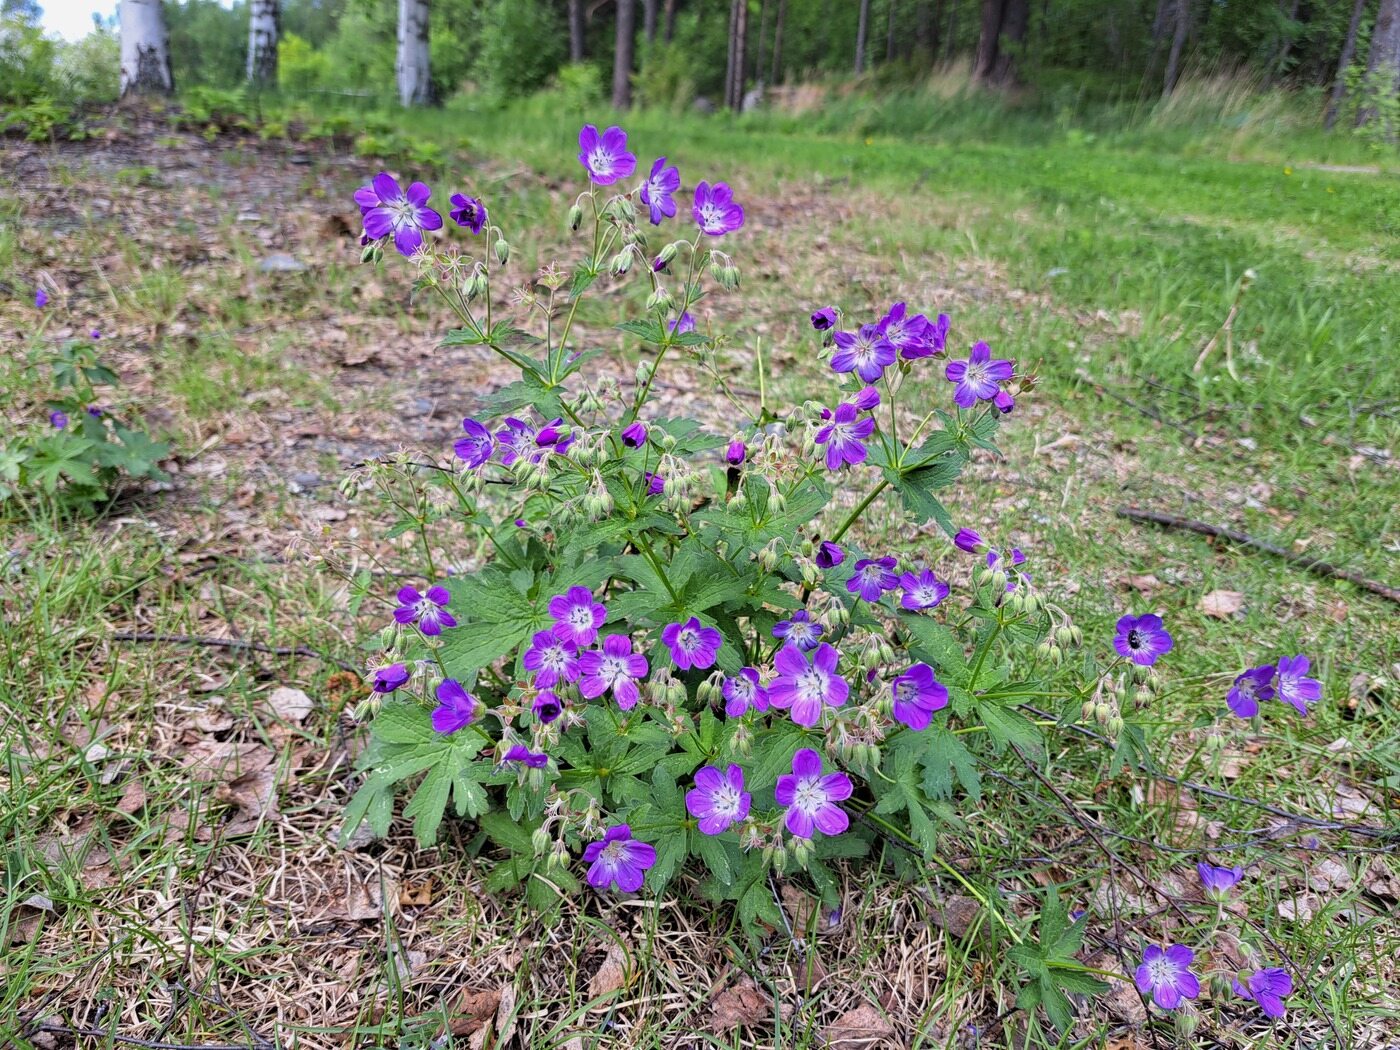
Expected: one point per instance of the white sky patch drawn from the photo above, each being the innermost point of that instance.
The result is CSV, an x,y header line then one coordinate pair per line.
x,y
72,19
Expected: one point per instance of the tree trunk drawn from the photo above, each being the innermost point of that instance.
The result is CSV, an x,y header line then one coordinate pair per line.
x,y
415,82
145,49
776,71
1285,45
264,24
649,20
575,30
1383,64
1339,86
1015,17
741,54
670,20
984,65
762,40
1183,24
862,28
622,54
729,57
889,33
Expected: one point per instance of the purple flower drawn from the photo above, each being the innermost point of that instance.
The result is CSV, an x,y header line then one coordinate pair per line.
x,y
656,484
867,353
515,441
95,334
619,859
467,212
923,591
1218,881
605,156
905,332
1268,988
811,798
389,210
94,411
829,555
577,616
1142,639
801,631
681,325
546,706
388,678
476,448
634,435
718,799
917,695
429,610
806,688
551,659
715,211
41,298
844,437
1166,975
968,540
691,644
824,319
1294,687
614,667
736,453
1250,687
743,692
1004,402
58,419
978,377
658,190
532,759
550,433
873,577
867,399
932,340
456,707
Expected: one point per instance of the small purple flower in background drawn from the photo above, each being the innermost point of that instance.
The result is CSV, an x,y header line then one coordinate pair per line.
x,y
1294,687
994,561
41,298
550,433
515,441
867,399
1218,881
736,453
1004,402
932,340
917,695
532,759
715,211
58,420
551,659
1268,988
923,591
802,631
547,706
807,688
867,353
1249,689
811,798
658,191
844,437
1166,975
824,319
744,692
467,212
1142,639
873,577
577,616
456,707
618,859
829,555
94,411
681,325
969,540
388,678
614,667
656,484
634,435
718,799
979,377
429,610
905,332
389,210
658,265
605,156
476,448
691,644
95,334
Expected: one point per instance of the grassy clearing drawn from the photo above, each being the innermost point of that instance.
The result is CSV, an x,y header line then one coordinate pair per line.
x,y
195,905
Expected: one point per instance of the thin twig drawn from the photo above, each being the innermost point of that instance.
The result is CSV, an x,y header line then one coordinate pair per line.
x,y
149,1044
1303,561
231,643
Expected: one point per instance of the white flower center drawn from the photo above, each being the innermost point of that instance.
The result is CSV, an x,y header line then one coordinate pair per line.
x,y
404,211
726,801
580,617
614,852
601,161
905,692
811,685
809,796
687,639
976,373
614,669
1162,971
710,215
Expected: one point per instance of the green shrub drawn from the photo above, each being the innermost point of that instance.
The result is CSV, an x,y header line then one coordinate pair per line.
x,y
300,67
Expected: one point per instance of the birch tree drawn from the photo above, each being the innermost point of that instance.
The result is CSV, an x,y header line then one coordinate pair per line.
x,y
145,49
415,83
264,25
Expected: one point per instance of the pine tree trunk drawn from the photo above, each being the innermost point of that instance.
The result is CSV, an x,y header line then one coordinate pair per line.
x,y
1382,65
145,49
730,74
575,30
414,74
670,20
777,69
622,54
1179,31
649,20
762,40
741,55
1015,18
862,29
984,65
264,24
1339,86
889,32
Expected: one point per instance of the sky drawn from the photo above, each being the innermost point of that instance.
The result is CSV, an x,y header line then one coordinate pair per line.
x,y
72,19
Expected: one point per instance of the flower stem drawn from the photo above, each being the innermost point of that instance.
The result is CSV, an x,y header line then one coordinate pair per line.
x,y
859,510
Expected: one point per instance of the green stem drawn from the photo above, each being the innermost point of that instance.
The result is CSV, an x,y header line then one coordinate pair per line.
x,y
859,510
656,567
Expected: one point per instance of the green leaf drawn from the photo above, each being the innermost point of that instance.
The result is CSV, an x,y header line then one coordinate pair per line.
x,y
945,757
649,330
507,833
403,722
1006,726
428,804
936,643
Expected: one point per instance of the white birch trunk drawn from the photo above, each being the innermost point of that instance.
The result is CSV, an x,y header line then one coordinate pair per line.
x,y
145,49
415,88
263,33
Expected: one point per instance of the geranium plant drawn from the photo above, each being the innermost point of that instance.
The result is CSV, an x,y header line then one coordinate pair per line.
x,y
659,648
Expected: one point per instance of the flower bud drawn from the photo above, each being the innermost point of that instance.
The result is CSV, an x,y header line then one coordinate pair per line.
x,y
668,252
1064,638
1086,710
839,614
1114,726
1141,673
621,262
1102,713
575,218
1142,698
780,857
984,577
1186,1020
998,581
1076,635
540,841
1042,651
659,299
559,855
625,210
502,251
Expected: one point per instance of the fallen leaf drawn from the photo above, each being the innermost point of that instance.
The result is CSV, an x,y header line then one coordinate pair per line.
x,y
210,760
957,915
133,797
612,975
473,1008
290,705
1297,909
255,795
1329,874
503,1025
800,907
862,1027
1222,604
1147,584
741,1004
418,895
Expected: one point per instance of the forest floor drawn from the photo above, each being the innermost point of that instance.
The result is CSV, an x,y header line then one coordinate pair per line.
x,y
171,808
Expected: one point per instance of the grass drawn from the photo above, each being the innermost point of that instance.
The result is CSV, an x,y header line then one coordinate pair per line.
x,y
1108,263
